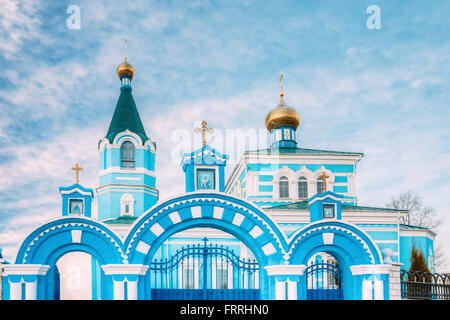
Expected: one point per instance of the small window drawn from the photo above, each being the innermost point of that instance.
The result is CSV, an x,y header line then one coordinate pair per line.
x,y
127,155
319,186
127,205
302,188
328,211
284,187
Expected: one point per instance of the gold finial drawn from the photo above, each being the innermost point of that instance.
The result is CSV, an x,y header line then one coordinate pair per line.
x,y
77,169
125,68
324,177
204,130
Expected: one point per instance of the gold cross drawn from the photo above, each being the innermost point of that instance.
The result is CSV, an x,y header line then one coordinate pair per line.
x,y
204,130
126,49
281,85
77,169
324,177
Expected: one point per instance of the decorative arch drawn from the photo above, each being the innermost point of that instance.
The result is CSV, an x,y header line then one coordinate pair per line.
x,y
304,172
217,210
52,240
344,240
292,181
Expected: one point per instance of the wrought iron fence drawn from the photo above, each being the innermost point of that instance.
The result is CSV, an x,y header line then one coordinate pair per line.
x,y
425,285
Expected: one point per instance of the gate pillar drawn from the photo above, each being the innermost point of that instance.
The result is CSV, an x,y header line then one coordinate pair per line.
x,y
284,281
371,281
125,281
24,281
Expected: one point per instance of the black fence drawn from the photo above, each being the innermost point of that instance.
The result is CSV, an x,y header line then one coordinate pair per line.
x,y
425,285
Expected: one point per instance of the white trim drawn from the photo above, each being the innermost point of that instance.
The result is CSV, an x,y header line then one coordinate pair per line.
x,y
140,170
285,270
130,269
84,193
362,269
25,269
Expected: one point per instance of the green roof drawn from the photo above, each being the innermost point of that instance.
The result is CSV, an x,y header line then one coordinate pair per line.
x,y
302,151
303,205
120,220
126,116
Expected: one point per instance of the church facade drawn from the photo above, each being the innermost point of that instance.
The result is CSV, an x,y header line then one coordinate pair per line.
x,y
286,225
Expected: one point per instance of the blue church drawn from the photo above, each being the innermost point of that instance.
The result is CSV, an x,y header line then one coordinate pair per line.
x,y
285,225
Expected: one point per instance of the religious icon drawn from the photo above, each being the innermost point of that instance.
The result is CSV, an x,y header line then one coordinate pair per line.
x,y
328,211
205,179
76,206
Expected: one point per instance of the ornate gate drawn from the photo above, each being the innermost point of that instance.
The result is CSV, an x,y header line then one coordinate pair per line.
x,y
204,271
324,281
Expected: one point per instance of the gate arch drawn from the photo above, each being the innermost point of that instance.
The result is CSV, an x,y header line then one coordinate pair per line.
x,y
348,244
216,210
55,238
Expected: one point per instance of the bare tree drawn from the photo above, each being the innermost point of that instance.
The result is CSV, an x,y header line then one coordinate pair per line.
x,y
422,216
418,214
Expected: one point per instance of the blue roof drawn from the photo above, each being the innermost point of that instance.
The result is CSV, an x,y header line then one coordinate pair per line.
x,y
75,186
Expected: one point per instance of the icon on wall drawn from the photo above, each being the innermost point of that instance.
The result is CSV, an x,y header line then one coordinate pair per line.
x,y
205,179
76,206
328,211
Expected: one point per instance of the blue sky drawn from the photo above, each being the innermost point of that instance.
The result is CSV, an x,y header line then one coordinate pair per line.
x,y
383,92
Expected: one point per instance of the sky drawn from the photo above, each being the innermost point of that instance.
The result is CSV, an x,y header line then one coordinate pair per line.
x,y
381,91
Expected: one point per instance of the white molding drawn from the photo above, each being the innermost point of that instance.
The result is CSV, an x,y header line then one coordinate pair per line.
x,y
126,269
362,269
25,269
84,193
285,270
144,171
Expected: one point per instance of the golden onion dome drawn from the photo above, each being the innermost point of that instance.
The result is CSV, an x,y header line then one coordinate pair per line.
x,y
125,69
282,115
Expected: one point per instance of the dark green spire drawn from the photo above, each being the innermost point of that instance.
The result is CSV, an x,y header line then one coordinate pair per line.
x,y
126,116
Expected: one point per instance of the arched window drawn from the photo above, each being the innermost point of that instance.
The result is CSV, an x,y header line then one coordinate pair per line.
x,y
284,187
127,155
319,185
127,205
302,188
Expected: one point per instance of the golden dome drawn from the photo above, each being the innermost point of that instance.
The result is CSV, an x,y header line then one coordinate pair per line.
x,y
282,116
125,69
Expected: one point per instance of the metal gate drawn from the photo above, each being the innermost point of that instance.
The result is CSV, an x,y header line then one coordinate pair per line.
x,y
324,281
204,271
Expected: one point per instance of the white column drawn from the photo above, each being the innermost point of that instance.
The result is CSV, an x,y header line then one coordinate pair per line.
x,y
290,271
378,289
31,290
24,270
132,290
15,290
119,293
367,289
370,285
125,269
280,290
292,290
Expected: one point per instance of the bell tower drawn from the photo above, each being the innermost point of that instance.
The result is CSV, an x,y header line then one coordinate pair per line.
x,y
127,159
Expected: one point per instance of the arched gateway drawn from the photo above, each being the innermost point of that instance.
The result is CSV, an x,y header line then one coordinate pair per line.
x,y
125,266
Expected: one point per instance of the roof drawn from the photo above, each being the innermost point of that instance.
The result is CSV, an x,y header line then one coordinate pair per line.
x,y
301,151
120,220
303,205
126,116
